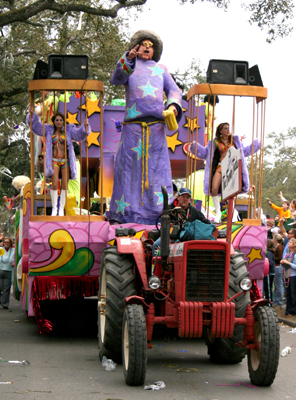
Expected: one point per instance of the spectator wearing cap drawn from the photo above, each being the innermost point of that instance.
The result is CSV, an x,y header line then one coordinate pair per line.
x,y
183,200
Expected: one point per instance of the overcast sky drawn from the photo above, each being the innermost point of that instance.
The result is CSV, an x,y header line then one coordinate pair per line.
x,y
203,32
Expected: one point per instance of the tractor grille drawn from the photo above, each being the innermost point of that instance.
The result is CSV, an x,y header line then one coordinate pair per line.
x,y
205,275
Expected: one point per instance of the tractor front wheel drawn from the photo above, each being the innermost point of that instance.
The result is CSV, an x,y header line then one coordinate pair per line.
x,y
117,282
263,363
134,345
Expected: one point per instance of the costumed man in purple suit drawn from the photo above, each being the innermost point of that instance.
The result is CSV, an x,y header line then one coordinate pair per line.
x,y
142,162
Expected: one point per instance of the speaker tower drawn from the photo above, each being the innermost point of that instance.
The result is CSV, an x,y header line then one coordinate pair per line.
x,y
228,72
67,67
41,70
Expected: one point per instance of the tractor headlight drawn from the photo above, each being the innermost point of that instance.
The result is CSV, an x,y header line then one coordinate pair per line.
x,y
154,282
245,284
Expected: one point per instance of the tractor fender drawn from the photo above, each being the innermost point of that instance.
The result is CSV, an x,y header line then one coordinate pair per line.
x,y
260,302
136,300
134,246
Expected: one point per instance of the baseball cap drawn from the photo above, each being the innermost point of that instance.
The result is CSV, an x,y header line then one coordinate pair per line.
x,y
184,191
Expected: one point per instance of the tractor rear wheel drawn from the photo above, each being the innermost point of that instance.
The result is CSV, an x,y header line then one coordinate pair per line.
x,y
134,345
116,284
263,363
224,350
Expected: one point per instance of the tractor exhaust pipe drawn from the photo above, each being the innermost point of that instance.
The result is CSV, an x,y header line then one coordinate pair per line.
x,y
165,229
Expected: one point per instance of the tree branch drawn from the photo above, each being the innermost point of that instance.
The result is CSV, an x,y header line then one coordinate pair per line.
x,y
21,53
7,94
33,9
13,144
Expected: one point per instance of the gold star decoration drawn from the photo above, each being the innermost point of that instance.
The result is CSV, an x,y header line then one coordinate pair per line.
x,y
255,254
93,138
173,141
72,118
92,107
192,123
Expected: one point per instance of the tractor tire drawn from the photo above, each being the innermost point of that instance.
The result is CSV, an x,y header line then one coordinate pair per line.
x,y
134,345
263,363
224,350
116,284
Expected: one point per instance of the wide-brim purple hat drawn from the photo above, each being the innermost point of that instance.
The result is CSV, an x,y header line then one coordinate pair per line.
x,y
141,35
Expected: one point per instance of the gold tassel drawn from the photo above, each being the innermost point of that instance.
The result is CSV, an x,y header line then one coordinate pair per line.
x,y
146,157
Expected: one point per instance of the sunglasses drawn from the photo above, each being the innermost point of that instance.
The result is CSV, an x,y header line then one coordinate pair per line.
x,y
147,43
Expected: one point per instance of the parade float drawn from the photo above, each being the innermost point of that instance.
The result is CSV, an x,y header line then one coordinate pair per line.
x,y
58,257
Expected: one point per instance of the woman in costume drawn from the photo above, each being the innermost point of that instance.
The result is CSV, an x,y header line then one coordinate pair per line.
x,y
55,152
6,265
142,162
222,142
289,264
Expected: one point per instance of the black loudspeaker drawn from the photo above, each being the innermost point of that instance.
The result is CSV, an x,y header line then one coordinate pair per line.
x,y
254,76
228,72
41,70
67,67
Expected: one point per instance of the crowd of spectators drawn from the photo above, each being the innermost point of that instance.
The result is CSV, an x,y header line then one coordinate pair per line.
x,y
280,284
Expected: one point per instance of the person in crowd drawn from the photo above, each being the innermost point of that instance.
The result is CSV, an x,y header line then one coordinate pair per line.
x,y
286,235
283,211
260,215
175,189
270,225
268,280
222,142
6,265
289,265
183,200
278,277
55,152
292,205
142,163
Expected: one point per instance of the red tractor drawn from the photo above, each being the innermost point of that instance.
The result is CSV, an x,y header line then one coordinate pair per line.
x,y
200,287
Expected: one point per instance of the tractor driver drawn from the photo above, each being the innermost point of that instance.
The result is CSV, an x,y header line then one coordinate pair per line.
x,y
183,200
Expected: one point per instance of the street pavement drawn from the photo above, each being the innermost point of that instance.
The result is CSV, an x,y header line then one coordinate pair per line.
x,y
64,365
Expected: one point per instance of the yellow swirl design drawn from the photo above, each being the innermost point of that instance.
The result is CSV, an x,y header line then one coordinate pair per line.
x,y
59,240
2,252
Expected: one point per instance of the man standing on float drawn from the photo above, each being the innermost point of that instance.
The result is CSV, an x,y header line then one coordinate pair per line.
x,y
142,162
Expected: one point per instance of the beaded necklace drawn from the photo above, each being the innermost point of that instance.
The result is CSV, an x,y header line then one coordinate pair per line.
x,y
6,261
289,257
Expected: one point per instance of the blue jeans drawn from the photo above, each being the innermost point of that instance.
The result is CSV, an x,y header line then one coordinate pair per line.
x,y
5,283
278,286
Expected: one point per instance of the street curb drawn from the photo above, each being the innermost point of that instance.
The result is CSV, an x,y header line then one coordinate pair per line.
x,y
287,322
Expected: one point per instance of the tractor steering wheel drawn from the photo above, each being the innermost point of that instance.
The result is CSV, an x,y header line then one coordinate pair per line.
x,y
177,210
